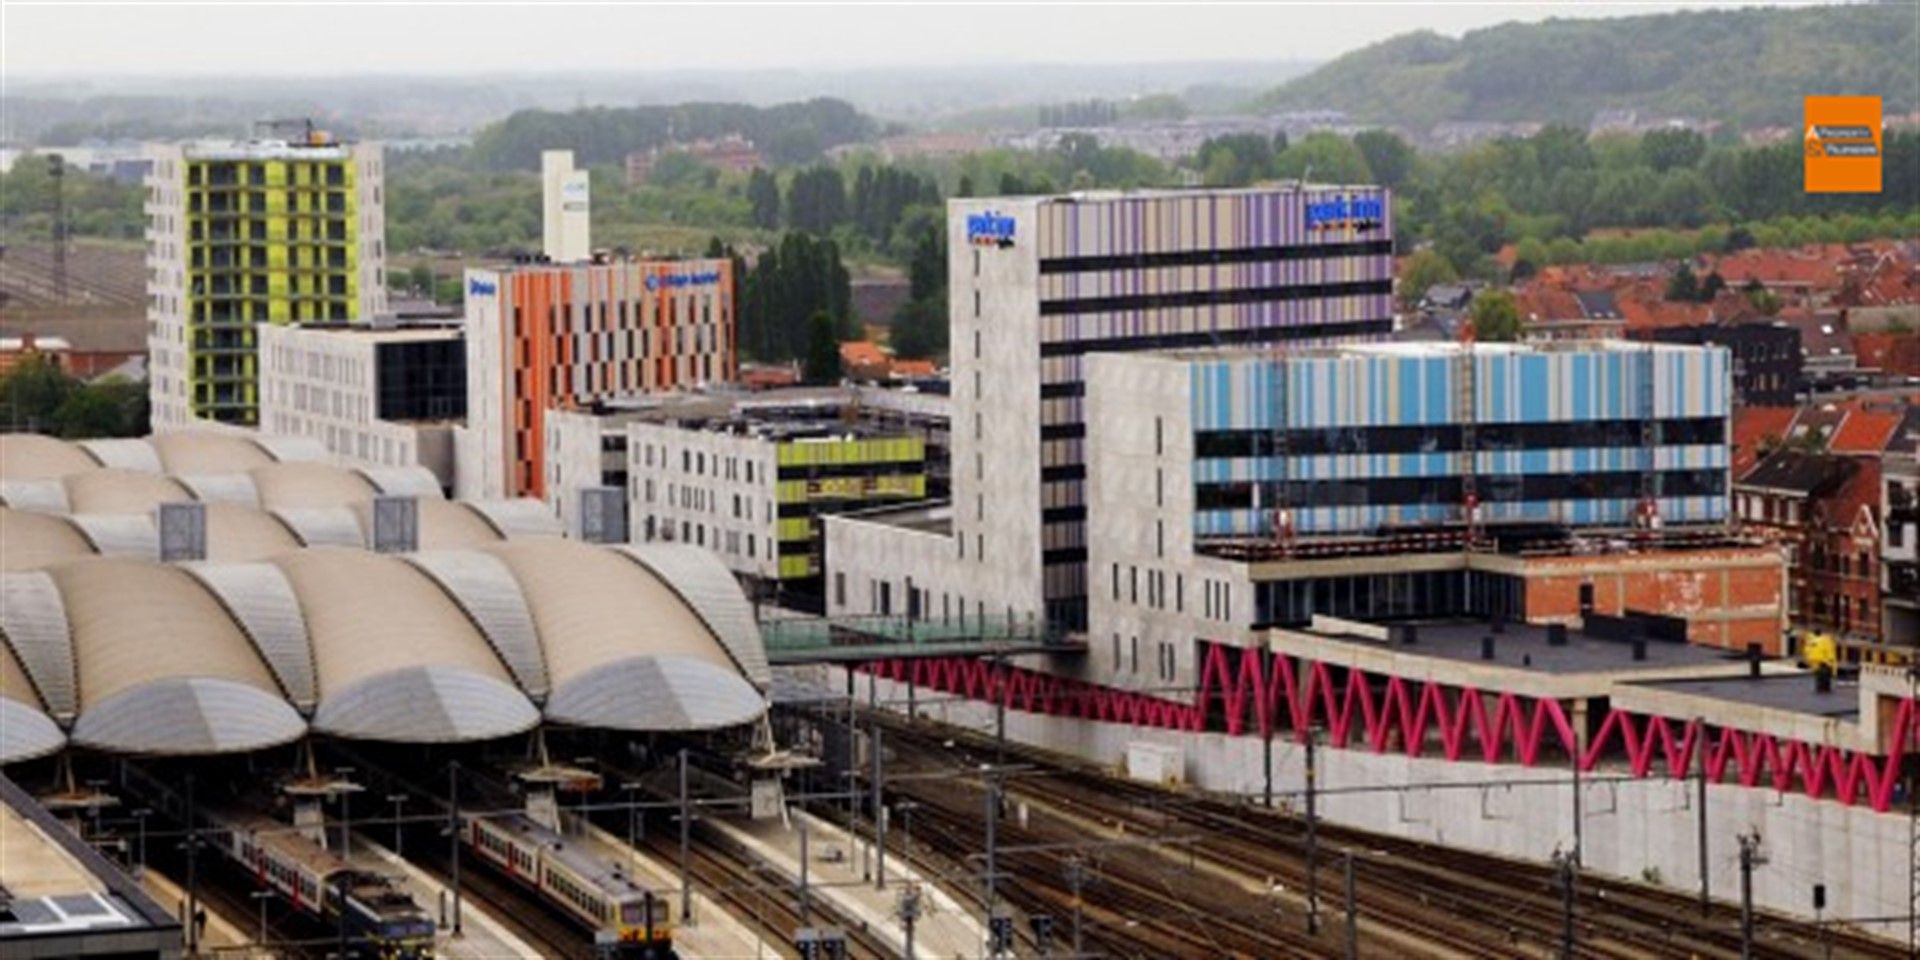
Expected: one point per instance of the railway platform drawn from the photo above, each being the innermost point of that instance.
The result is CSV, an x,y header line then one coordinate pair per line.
x,y
222,936
713,933
481,937
837,875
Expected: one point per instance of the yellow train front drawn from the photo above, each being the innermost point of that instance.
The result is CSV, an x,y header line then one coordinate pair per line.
x,y
629,922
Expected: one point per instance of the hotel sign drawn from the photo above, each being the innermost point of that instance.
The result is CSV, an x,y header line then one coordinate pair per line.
x,y
477,287
989,229
1350,212
705,278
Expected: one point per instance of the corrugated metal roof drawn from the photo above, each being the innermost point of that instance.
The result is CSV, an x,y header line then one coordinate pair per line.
x,y
518,518
426,704
119,534
41,496
33,621
323,526
26,733
121,491
124,454
205,451
188,716
221,488
29,541
706,584
30,456
489,595
404,482
262,602
657,693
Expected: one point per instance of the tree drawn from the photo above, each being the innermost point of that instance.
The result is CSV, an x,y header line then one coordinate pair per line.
x,y
1664,150
1495,316
1711,287
32,393
816,200
1324,158
114,407
1388,156
823,350
1423,271
1683,286
763,192
1234,160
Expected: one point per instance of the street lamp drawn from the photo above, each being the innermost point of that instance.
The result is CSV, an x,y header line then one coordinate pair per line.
x,y
396,799
261,897
141,816
628,787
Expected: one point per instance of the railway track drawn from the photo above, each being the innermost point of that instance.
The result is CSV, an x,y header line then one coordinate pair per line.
x,y
1413,898
756,895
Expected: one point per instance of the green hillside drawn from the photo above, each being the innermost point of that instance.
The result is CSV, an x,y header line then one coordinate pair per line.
x,y
1744,67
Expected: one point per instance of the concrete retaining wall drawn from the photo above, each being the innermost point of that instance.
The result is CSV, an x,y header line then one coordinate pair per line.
x,y
1636,829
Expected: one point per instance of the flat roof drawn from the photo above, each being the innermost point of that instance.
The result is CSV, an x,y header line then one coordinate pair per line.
x,y
264,150
63,899
1791,693
924,517
1524,646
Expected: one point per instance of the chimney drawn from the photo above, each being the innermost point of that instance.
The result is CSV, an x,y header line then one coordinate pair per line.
x,y
1753,660
396,524
1486,647
1823,679
1556,634
1639,648
183,531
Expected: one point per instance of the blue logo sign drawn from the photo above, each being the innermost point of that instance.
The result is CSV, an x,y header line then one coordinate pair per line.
x,y
705,278
989,229
477,287
1360,213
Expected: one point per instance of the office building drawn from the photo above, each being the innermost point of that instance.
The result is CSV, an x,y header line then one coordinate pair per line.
x,y
566,208
572,337
268,231
373,396
1038,283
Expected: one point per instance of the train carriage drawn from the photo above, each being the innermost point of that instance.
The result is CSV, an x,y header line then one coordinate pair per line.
x,y
629,921
384,920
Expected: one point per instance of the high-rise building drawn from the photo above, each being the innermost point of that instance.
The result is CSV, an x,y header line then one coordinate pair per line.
x,y
546,337
1038,283
565,207
268,231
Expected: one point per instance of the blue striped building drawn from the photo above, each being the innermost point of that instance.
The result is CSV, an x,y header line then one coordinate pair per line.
x,y
1377,438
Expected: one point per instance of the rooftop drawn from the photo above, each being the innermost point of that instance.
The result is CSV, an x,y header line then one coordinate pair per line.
x,y
58,897
1525,647
1792,693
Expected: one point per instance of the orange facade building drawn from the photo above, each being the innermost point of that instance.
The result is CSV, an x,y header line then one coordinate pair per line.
x,y
547,337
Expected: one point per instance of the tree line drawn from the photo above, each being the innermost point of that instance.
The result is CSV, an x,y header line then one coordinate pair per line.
x,y
37,396
787,133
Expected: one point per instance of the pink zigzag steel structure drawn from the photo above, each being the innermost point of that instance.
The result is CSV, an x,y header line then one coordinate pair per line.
x,y
1261,695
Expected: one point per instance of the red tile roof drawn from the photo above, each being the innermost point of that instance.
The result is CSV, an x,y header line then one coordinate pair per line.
x,y
1861,490
1893,352
862,353
1752,426
1864,432
913,368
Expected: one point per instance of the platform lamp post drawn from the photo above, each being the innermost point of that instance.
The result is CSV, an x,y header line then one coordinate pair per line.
x,y
397,799
261,897
140,846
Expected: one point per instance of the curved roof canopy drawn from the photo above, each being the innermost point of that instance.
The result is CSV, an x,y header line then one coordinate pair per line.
x,y
136,656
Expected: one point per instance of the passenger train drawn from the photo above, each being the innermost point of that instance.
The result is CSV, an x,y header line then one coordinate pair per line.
x,y
381,921
628,920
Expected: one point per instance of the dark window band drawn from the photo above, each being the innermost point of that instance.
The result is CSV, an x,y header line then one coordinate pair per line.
x,y
1213,297
1449,438
1064,514
1070,471
1054,558
1503,488
1062,431
1200,258
1214,338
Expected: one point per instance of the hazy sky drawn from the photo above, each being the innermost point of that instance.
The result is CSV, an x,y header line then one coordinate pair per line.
x,y
100,39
